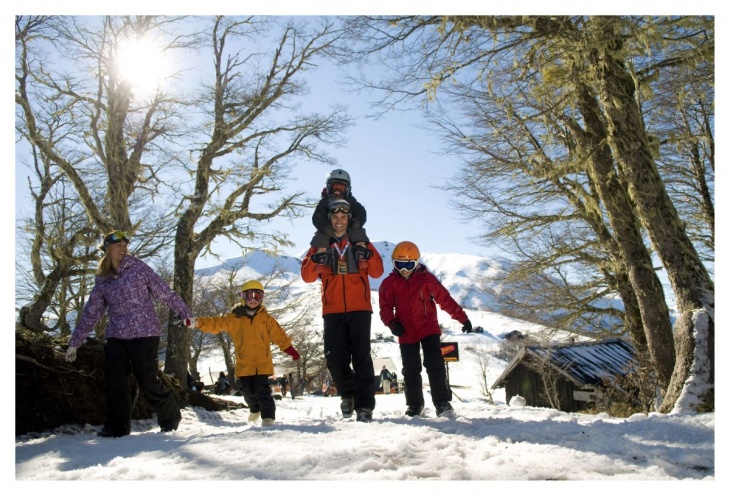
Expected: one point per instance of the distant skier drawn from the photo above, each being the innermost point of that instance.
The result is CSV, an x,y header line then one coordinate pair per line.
x,y
408,298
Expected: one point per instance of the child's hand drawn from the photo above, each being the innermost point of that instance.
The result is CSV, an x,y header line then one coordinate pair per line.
x,y
294,353
192,322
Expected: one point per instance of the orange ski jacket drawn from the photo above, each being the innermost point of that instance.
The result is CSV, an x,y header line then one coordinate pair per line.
x,y
345,283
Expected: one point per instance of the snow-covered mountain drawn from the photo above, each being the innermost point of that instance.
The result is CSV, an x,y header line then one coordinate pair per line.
x,y
459,274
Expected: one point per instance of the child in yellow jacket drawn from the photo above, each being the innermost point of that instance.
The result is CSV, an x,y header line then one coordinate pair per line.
x,y
253,330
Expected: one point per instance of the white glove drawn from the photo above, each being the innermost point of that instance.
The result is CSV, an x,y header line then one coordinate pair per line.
x,y
71,354
192,322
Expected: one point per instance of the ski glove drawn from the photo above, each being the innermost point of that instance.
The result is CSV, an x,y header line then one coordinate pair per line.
x,y
192,322
467,326
294,353
362,253
321,258
71,354
397,328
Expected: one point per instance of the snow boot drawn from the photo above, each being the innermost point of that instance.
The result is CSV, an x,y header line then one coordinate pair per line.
x,y
267,422
347,405
365,415
170,425
107,432
444,409
414,411
254,417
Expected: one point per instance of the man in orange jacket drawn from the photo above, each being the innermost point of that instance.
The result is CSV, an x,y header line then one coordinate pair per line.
x,y
347,312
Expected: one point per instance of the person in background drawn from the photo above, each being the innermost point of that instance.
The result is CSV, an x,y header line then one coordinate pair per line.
x,y
283,382
253,330
408,299
125,288
292,385
338,187
385,378
221,385
346,311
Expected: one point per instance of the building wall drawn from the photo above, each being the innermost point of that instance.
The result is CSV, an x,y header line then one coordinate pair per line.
x,y
527,383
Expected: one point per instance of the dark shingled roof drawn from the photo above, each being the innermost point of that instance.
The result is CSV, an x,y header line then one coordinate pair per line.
x,y
583,363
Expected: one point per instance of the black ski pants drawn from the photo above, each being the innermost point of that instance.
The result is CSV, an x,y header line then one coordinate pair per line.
x,y
257,393
347,351
140,355
435,369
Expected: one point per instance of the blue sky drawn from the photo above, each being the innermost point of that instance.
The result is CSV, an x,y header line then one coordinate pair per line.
x,y
393,165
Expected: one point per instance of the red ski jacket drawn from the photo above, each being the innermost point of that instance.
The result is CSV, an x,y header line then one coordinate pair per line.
x,y
412,302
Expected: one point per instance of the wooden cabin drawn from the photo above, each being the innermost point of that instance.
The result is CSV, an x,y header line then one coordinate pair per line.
x,y
573,373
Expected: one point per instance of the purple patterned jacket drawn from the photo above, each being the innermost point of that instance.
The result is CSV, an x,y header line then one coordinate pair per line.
x,y
128,298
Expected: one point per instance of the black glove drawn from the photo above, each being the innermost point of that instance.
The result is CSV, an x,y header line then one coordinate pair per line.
x,y
467,326
321,258
362,253
397,328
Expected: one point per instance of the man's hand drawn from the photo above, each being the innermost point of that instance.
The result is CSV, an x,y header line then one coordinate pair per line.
x,y
71,354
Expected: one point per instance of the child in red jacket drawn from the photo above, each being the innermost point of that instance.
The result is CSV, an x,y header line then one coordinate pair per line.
x,y
408,298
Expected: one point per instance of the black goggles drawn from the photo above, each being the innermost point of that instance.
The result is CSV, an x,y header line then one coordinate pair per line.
x,y
404,264
340,209
252,294
115,237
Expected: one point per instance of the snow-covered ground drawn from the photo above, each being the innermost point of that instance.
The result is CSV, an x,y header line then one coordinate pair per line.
x,y
311,441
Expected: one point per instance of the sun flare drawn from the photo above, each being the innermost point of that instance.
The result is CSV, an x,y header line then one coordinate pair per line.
x,y
142,64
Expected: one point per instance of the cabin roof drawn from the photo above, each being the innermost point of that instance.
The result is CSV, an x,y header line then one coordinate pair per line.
x,y
582,363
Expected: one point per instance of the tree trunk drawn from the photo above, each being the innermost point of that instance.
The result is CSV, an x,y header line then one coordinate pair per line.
x,y
646,286
31,315
693,287
179,337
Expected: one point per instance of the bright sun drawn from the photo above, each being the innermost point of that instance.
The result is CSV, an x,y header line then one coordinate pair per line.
x,y
142,64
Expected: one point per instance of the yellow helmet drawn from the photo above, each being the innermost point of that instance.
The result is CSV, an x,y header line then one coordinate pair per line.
x,y
405,250
251,285
252,290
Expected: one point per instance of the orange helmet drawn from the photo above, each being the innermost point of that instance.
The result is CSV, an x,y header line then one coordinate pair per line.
x,y
405,250
405,257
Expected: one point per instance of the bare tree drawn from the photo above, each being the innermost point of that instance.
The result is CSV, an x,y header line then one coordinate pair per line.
x,y
244,161
483,360
81,119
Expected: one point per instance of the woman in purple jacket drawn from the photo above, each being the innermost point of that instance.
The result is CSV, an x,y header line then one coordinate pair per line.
x,y
125,287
